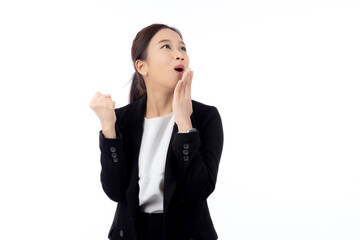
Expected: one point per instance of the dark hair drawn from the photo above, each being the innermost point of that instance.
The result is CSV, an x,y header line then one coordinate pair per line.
x,y
138,51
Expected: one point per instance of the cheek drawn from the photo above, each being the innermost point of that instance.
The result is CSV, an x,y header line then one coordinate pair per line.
x,y
159,61
186,58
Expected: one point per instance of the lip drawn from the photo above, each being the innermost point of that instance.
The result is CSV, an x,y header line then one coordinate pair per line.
x,y
180,66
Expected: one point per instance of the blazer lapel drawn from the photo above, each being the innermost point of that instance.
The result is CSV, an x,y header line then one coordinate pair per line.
x,y
134,121
170,182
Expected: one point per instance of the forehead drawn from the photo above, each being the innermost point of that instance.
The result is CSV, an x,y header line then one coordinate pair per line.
x,y
165,33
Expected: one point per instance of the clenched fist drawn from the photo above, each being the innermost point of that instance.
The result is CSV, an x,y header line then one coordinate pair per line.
x,y
104,107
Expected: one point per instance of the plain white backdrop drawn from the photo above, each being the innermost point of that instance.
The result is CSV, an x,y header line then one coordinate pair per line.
x,y
284,76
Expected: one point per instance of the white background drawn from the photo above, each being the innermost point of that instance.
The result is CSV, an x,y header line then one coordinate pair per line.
x,y
284,76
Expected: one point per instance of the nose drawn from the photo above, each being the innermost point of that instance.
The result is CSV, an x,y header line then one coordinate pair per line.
x,y
179,54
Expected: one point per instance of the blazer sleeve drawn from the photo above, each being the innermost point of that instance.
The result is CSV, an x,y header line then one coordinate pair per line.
x,y
113,166
198,157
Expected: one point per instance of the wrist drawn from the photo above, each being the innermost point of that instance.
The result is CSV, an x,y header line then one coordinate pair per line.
x,y
184,128
107,125
109,131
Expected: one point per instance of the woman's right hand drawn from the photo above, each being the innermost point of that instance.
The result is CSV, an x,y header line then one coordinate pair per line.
x,y
104,107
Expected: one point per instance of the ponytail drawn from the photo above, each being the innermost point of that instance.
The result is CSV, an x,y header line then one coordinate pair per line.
x,y
138,87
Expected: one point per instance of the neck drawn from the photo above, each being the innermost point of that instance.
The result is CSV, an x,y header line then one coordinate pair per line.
x,y
158,104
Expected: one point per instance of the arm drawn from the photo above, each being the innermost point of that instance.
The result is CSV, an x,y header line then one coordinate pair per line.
x,y
198,158
113,167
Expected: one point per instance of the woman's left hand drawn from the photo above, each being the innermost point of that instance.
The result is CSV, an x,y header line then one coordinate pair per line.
x,y
182,105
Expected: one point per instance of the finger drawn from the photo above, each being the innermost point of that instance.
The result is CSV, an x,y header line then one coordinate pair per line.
x,y
107,95
185,81
184,74
177,90
93,99
188,78
182,91
188,86
187,89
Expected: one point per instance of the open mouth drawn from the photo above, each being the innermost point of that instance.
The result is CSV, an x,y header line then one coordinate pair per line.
x,y
179,68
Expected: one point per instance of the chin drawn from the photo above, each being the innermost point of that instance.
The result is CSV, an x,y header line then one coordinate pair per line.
x,y
173,85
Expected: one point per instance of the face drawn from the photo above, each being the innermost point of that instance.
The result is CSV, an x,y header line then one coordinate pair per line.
x,y
165,52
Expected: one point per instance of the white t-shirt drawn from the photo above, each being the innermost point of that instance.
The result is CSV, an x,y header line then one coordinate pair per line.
x,y
152,157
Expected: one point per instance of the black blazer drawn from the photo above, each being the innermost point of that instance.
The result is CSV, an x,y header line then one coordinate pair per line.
x,y
191,169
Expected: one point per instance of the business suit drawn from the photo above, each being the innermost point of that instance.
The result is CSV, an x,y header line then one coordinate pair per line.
x,y
191,169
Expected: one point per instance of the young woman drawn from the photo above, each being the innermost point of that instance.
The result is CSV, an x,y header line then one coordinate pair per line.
x,y
160,153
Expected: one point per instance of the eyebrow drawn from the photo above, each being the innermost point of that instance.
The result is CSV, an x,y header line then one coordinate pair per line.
x,y
167,40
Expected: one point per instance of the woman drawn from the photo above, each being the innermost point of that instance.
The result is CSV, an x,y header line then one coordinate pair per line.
x,y
160,153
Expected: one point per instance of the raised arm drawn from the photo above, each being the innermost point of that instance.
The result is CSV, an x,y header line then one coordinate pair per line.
x,y
198,156
113,164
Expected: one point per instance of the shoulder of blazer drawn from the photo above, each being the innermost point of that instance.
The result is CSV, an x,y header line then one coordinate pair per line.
x,y
200,110
129,116
203,114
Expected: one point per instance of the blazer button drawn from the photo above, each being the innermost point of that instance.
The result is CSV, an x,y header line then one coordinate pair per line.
x,y
186,152
186,158
186,146
121,233
115,159
114,155
112,149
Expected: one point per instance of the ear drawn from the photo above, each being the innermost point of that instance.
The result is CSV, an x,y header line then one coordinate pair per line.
x,y
141,67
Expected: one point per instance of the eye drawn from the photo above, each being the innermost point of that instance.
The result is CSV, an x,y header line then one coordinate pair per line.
x,y
184,48
167,45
